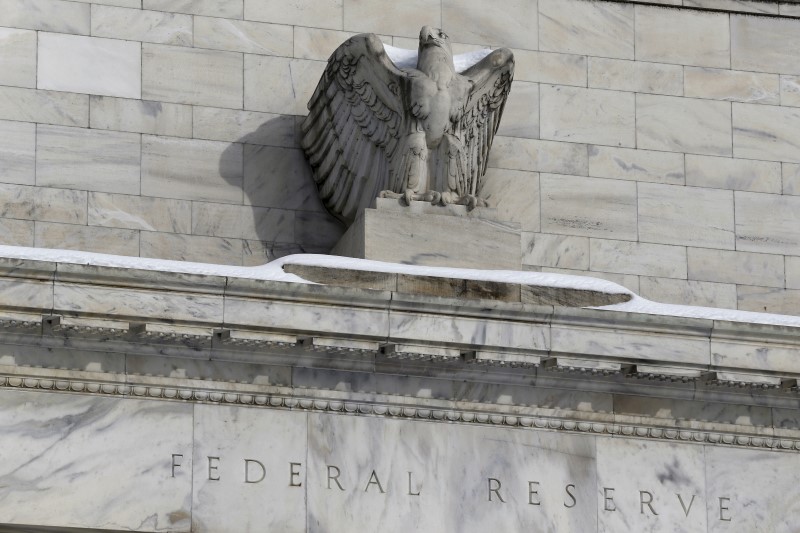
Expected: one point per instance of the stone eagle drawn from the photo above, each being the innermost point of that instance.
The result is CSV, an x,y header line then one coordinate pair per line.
x,y
377,128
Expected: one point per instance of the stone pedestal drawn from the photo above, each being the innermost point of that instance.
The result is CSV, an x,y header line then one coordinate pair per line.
x,y
424,234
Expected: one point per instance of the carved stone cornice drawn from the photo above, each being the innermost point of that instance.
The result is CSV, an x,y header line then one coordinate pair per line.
x,y
573,323
227,329
436,411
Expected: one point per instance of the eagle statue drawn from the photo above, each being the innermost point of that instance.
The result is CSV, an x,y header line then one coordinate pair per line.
x,y
416,128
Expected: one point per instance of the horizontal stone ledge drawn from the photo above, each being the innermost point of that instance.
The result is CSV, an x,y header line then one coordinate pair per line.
x,y
766,8
395,407
600,358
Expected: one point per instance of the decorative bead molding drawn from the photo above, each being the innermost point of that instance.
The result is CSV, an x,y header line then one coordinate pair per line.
x,y
344,407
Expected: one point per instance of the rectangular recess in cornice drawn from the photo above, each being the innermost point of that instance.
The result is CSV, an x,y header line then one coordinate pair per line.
x,y
581,366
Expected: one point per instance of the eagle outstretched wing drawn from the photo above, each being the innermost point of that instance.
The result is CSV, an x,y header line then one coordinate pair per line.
x,y
355,123
490,81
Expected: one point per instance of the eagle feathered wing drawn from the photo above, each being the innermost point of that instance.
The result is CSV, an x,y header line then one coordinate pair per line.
x,y
490,81
354,126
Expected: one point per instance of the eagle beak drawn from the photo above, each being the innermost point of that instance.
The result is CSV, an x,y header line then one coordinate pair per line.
x,y
427,35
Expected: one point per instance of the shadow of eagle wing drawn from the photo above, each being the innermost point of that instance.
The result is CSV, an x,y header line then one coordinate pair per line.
x,y
355,122
490,81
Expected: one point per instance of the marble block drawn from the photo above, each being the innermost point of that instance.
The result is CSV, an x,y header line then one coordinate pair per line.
x,y
17,152
533,155
18,57
244,464
572,205
211,8
601,29
423,234
88,159
727,266
89,65
669,123
141,25
669,214
766,132
732,85
48,107
635,76
549,67
595,116
668,495
683,37
391,18
767,503
192,75
753,39
46,15
469,21
89,462
636,165
394,476
242,36
191,169
311,13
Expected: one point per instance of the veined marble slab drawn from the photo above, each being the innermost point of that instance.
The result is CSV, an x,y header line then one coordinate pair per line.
x,y
251,479
371,475
81,461
144,465
89,65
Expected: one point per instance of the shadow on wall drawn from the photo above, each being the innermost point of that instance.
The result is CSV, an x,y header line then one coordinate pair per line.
x,y
282,213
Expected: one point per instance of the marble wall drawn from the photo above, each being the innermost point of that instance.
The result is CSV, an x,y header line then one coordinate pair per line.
x,y
149,465
656,146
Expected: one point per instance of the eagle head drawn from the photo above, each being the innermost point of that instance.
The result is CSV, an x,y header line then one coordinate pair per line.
x,y
429,36
434,42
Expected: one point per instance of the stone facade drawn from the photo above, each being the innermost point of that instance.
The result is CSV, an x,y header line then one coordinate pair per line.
x,y
654,146
175,401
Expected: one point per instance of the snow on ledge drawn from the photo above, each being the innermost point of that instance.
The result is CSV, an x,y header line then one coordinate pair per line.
x,y
273,271
405,58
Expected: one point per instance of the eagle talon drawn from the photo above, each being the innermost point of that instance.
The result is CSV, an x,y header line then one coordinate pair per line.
x,y
389,194
449,198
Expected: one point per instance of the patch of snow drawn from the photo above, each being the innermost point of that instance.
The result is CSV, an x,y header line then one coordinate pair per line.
x,y
647,307
464,61
503,276
401,57
405,58
274,271
270,271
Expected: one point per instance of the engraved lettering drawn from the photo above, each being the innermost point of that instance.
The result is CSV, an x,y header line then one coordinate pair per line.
x,y
410,492
212,467
294,475
373,480
533,490
686,510
494,486
648,502
174,464
608,496
247,464
723,501
334,478
571,496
